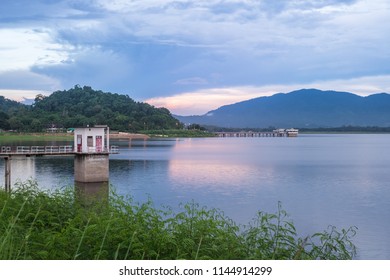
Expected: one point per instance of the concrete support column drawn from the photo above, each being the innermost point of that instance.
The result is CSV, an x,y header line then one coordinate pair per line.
x,y
108,139
91,175
91,168
7,174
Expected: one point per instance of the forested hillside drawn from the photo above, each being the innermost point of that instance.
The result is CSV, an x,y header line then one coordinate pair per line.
x,y
81,106
8,107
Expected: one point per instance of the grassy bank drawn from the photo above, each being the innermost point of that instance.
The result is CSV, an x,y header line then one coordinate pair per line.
x,y
21,137
40,225
170,133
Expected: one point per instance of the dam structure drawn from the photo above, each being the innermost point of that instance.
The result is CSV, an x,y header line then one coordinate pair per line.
x,y
91,152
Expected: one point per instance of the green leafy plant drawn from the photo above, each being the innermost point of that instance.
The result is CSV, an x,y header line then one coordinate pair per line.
x,y
41,225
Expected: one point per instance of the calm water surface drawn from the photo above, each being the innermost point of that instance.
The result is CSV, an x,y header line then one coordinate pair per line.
x,y
321,180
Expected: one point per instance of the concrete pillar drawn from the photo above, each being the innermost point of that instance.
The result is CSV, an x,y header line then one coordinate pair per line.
x,y
108,139
91,168
7,174
91,175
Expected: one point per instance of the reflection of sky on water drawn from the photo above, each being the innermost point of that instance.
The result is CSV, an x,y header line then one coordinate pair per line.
x,y
22,169
217,176
49,172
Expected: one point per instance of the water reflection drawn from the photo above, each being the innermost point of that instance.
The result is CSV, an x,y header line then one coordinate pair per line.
x,y
218,176
22,169
49,172
89,194
55,172
134,178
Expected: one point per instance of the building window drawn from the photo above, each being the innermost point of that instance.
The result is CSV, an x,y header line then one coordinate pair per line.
x,y
90,141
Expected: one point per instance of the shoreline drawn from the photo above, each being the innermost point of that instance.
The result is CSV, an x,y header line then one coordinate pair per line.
x,y
25,136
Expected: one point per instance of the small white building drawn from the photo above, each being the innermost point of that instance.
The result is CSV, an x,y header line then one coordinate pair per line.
x,y
91,139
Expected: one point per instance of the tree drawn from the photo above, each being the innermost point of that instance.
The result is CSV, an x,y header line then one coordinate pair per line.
x,y
15,123
195,126
39,97
4,124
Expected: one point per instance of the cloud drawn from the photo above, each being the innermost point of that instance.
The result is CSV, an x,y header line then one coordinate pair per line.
x,y
223,24
160,48
192,81
27,80
305,40
22,48
201,101
27,10
94,66
21,85
21,95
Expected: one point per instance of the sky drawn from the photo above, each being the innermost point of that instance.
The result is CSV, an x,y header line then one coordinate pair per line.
x,y
194,56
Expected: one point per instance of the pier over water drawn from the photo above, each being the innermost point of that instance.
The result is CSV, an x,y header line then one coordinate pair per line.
x,y
50,150
90,151
275,133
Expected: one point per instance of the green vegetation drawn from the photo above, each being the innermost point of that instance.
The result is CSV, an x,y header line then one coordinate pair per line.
x,y
13,138
36,224
173,133
81,106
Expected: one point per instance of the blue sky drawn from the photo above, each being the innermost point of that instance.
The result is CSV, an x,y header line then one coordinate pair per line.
x,y
194,56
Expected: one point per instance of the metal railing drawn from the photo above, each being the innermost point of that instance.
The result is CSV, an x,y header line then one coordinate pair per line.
x,y
5,149
42,150
37,150
114,149
23,150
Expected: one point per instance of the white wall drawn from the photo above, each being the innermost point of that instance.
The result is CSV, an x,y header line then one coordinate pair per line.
x,y
85,132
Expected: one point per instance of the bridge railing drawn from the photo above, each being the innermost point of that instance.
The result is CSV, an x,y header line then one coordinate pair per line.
x,y
66,149
111,150
47,150
5,149
37,149
58,149
22,149
114,149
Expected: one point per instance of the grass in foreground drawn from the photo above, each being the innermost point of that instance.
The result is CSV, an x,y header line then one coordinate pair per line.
x,y
40,225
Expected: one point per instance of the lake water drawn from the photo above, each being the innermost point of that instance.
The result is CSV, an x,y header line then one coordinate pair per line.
x,y
341,180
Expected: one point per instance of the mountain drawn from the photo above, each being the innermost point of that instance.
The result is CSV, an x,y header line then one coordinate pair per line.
x,y
6,105
80,106
305,108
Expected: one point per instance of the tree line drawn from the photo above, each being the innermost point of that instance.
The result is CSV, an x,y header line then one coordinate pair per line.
x,y
81,106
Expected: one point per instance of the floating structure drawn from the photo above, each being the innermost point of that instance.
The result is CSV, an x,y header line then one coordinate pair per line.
x,y
292,132
91,152
281,132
